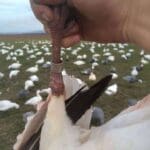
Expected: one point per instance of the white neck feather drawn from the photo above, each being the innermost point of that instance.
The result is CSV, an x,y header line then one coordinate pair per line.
x,y
55,124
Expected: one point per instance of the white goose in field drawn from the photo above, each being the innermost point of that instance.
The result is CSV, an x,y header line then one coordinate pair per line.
x,y
7,104
34,100
40,61
33,69
1,75
16,65
112,89
28,84
34,78
134,72
13,73
92,76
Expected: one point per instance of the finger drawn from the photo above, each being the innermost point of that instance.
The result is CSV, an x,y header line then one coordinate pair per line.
x,y
71,40
42,12
49,2
70,30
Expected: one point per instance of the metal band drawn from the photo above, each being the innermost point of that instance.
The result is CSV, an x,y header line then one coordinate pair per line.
x,y
56,68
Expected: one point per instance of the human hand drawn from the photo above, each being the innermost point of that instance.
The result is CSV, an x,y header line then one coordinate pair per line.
x,y
101,20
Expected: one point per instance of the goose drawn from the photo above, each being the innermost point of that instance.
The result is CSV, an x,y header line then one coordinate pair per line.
x,y
7,104
40,61
79,62
28,84
92,76
144,61
34,100
33,69
1,75
112,89
147,57
134,72
13,73
80,100
114,75
111,58
118,133
34,78
46,91
16,65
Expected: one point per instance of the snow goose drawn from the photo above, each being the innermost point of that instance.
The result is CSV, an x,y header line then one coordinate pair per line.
x,y
1,75
28,84
34,78
112,89
40,61
92,76
7,104
33,69
34,100
13,73
16,65
134,72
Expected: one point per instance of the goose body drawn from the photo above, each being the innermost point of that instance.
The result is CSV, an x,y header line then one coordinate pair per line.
x,y
112,89
92,76
40,61
7,104
120,133
34,100
28,84
33,69
13,73
1,75
34,78
134,72
16,65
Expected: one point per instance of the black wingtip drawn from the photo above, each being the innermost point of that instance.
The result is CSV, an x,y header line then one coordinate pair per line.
x,y
82,101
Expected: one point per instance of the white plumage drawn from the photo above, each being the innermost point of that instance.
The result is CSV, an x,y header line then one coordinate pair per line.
x,y
7,104
13,73
47,91
1,75
34,78
134,72
34,100
92,76
28,84
120,133
16,65
33,69
79,62
114,75
111,90
40,61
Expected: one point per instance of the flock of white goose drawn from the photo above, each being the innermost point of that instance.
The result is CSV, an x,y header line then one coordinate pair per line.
x,y
32,52
63,133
